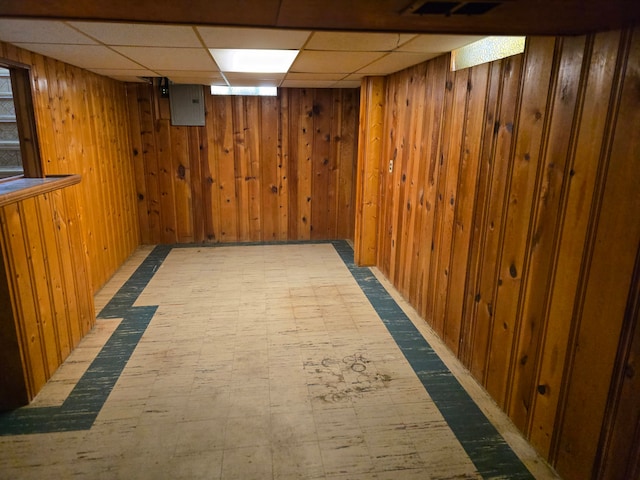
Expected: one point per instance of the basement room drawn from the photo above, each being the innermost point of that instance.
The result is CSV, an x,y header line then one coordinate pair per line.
x,y
286,239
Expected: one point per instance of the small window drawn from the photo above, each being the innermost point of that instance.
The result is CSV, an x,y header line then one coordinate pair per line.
x,y
486,50
19,150
10,158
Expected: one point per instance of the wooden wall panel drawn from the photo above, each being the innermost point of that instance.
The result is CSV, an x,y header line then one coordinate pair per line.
x,y
47,300
619,449
82,121
261,169
608,272
513,228
368,172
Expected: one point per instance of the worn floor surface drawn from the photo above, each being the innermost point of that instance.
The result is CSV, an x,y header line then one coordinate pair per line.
x,y
259,362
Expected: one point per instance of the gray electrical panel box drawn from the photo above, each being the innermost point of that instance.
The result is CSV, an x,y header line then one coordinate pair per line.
x,y
187,105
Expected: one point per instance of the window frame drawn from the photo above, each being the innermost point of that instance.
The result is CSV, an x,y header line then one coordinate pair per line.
x,y
25,119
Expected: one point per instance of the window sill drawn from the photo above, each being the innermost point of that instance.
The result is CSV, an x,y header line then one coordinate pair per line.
x,y
17,189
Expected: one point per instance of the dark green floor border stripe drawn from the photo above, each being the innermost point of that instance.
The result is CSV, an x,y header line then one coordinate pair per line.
x,y
486,448
126,296
491,455
82,406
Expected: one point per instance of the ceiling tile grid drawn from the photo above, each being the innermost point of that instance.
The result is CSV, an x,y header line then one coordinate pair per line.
x,y
133,52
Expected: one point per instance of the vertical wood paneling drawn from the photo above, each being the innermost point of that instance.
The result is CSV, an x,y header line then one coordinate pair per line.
x,y
619,449
46,294
545,217
408,208
225,155
368,171
539,62
211,207
608,282
199,169
269,166
251,111
178,151
464,199
388,167
304,162
261,169
446,200
24,299
489,233
166,183
147,166
82,124
526,233
284,124
347,150
15,387
491,119
438,88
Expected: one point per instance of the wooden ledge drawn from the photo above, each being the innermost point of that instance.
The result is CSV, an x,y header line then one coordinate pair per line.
x,y
17,189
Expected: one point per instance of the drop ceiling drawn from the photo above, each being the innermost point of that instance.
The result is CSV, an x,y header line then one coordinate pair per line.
x,y
132,51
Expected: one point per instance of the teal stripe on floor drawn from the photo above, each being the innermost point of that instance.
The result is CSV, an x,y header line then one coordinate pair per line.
x,y
486,448
82,406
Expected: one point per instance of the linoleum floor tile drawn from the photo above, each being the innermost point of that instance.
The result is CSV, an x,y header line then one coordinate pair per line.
x,y
263,361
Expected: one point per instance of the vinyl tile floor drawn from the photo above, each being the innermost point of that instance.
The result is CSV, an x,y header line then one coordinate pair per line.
x,y
258,362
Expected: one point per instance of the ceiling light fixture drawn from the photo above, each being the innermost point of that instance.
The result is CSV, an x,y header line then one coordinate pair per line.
x,y
248,91
253,61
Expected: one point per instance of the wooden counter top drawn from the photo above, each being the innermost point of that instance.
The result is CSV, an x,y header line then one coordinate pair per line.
x,y
14,190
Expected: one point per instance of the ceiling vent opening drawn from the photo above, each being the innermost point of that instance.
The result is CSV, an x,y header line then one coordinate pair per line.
x,y
475,8
434,7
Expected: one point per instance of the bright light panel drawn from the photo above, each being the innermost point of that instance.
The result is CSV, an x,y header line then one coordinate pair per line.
x,y
486,50
254,61
259,91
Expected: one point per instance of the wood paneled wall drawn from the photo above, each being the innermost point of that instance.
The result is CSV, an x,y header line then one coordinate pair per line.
x,y
83,128
261,169
510,220
47,303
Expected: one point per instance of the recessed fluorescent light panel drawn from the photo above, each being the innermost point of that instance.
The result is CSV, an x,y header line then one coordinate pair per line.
x,y
249,91
254,61
486,50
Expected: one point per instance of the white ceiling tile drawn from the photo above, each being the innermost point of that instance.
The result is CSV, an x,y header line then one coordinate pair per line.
x,y
229,37
315,76
85,56
437,43
198,80
396,61
111,72
258,79
140,34
158,58
308,83
192,73
332,62
40,31
356,41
